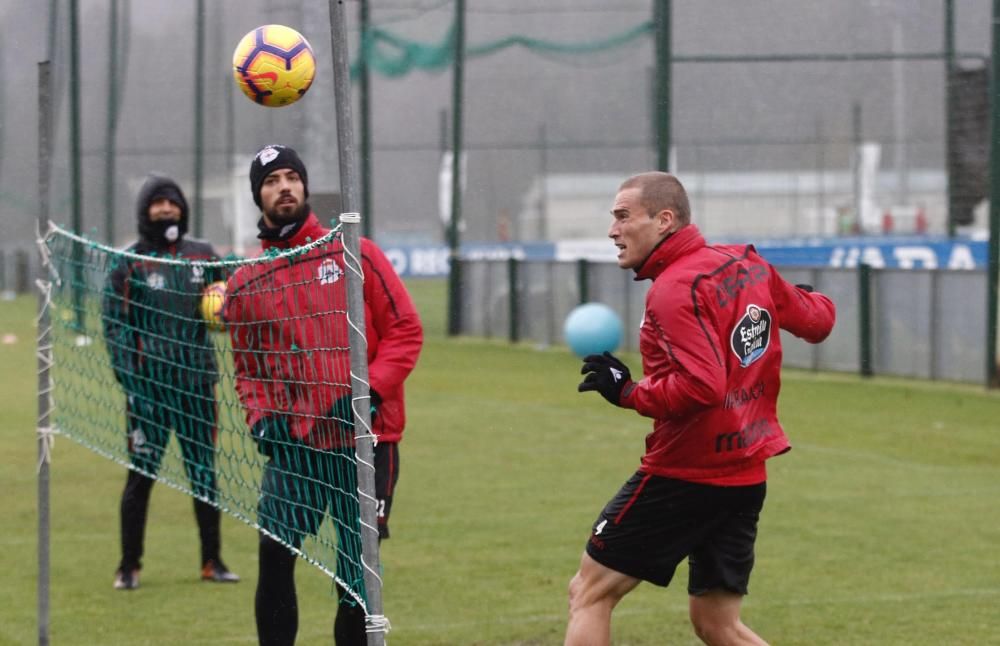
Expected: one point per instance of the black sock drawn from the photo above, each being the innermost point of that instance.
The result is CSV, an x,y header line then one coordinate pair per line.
x,y
134,506
276,605
349,626
208,530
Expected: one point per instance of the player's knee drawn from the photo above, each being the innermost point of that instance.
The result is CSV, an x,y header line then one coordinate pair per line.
x,y
714,630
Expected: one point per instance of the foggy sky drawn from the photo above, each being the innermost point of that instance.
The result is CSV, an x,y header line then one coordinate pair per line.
x,y
595,110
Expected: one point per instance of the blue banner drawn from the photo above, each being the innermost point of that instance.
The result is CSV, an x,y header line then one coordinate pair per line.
x,y
893,253
924,252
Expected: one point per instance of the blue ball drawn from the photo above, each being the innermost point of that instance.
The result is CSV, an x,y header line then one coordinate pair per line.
x,y
592,328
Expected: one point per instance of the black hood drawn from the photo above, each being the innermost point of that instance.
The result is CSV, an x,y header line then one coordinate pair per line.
x,y
155,187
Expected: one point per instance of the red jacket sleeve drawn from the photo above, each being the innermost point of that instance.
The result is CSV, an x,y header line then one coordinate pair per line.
x,y
696,379
394,320
808,315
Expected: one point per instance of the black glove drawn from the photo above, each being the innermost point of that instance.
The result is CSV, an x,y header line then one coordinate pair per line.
x,y
269,433
344,414
805,287
605,374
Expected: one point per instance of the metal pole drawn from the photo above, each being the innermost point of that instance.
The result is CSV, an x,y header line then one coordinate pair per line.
x,y
457,92
865,319
364,105
899,119
662,17
199,113
74,115
514,331
44,354
856,130
992,299
365,447
583,279
109,145
949,108
75,161
821,177
543,174
443,146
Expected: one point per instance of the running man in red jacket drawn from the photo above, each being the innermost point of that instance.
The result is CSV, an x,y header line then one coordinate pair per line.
x,y
711,356
287,320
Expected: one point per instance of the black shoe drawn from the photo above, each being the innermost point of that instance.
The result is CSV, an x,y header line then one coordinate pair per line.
x,y
126,579
215,570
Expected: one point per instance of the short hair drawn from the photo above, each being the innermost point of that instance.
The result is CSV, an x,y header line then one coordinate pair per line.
x,y
659,191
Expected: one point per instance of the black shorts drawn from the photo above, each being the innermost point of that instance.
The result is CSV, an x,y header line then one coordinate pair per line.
x,y
654,523
386,476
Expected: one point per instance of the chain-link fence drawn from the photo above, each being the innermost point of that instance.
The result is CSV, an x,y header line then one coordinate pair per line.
x,y
928,324
785,118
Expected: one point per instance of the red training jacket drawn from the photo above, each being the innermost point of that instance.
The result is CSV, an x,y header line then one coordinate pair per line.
x,y
711,356
288,323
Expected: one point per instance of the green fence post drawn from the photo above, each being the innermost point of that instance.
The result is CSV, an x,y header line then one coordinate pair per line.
x,y
515,329
993,265
583,279
865,319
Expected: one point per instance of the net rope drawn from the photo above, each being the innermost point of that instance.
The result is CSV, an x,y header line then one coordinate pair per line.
x,y
253,414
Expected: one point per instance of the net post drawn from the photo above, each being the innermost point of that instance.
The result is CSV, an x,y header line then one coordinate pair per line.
x,y
376,626
43,351
364,438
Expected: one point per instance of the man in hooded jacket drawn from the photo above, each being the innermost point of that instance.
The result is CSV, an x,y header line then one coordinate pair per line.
x,y
164,359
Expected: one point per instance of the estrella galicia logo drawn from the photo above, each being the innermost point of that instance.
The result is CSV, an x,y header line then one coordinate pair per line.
x,y
752,335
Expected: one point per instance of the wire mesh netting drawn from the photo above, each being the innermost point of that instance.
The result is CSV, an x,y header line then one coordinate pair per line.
x,y
218,378
771,104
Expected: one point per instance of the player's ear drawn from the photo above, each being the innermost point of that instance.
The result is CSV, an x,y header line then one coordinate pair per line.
x,y
666,221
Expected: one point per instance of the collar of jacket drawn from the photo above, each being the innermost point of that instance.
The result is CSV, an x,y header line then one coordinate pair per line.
x,y
675,246
310,231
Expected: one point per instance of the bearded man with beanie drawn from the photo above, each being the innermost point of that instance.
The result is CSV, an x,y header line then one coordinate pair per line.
x,y
163,358
289,334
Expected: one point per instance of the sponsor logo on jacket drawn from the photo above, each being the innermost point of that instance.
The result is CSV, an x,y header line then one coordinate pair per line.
x,y
752,335
329,272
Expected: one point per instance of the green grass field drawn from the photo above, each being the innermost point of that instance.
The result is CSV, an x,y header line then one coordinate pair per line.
x,y
880,527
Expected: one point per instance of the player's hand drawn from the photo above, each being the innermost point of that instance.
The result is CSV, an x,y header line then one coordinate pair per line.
x,y
343,412
607,375
269,433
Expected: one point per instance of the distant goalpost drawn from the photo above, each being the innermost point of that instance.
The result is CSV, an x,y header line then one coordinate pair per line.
x,y
86,389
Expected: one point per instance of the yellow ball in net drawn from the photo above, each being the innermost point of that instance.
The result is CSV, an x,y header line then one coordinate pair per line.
x,y
213,298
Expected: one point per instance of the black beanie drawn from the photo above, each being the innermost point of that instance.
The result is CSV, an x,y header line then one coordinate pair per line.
x,y
271,158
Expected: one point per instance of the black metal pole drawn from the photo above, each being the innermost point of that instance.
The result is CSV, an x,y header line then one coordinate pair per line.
x,y
364,105
109,145
513,301
993,300
949,110
663,13
454,272
75,161
199,114
583,279
865,319
74,116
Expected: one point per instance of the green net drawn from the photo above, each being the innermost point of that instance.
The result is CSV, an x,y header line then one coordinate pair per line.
x,y
242,362
393,55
